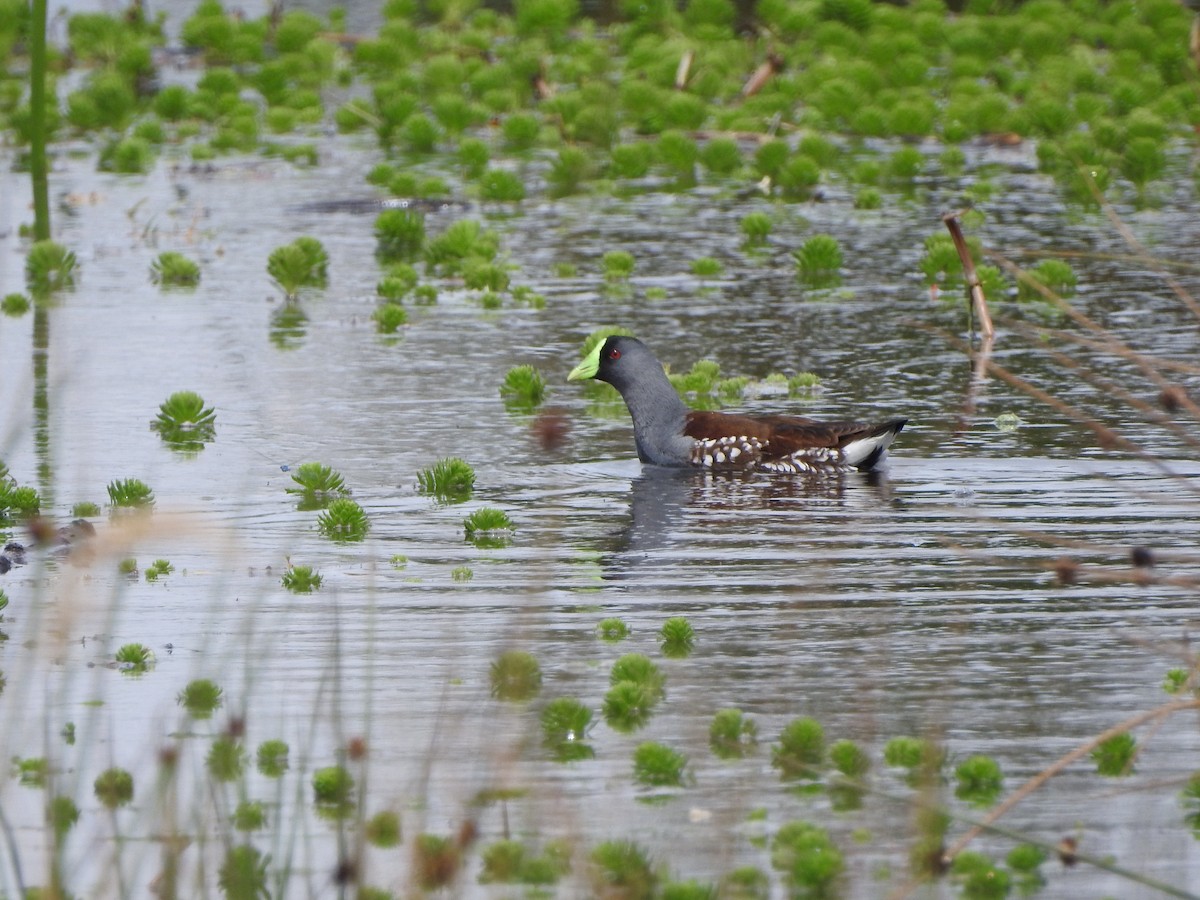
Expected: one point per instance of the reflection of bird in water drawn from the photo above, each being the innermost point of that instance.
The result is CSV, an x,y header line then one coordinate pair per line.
x,y
669,434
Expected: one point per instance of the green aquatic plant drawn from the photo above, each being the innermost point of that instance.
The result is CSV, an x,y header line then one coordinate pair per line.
x,y
158,568
243,873
569,170
14,304
628,705
400,281
520,131
622,868
113,788
84,508
451,479
979,780
333,785
707,267
756,226
818,260
399,234
171,269
343,520
317,479
130,493
721,156
657,765
463,240
488,527
420,133
201,698
483,275
516,676
612,630
249,815
383,829
808,857
501,186
437,859
1053,274
184,422
801,749
134,659
618,265
62,815
631,160
523,388
128,567
130,155
301,579
462,574
1114,757
389,317
272,758
849,758
49,267
803,384
979,877
639,669
565,720
32,772
798,177
677,638
473,156
732,734
678,153
302,263
868,198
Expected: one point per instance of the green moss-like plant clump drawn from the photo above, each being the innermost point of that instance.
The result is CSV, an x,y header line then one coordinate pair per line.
x,y
756,226
344,520
301,579
1114,757
113,788
523,388
249,815
383,829
488,527
515,675
624,868
1053,274
565,724
612,630
302,263
389,317
732,734
272,758
451,480
184,422
657,765
201,698
399,234
130,493
49,267
85,509
243,872
332,785
677,637
437,860
172,269
818,261
135,659
849,758
801,749
14,304
979,779
226,760
618,265
317,485
807,856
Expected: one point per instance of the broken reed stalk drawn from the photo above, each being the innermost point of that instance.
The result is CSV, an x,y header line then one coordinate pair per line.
x,y
37,121
762,75
978,300
684,69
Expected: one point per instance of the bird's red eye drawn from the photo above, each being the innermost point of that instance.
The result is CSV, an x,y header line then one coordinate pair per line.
x,y
614,354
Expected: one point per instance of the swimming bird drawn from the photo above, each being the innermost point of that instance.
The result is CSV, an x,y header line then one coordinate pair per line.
x,y
668,433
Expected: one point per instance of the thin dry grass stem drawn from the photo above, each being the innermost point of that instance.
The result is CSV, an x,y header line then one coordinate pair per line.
x,y
1107,257
974,285
684,69
1107,437
1173,365
1034,783
1140,252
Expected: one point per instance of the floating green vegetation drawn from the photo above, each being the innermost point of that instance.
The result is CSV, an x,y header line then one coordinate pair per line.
x,y
317,485
807,856
1114,757
14,305
819,260
1174,682
272,758
302,263
49,267
201,698
184,422
623,867
343,520
1007,421
399,234
482,275
128,567
249,815
333,786
243,872
463,244
523,388
399,281
628,705
618,265
32,772
301,579
637,668
158,569
849,758
501,186
516,676
130,155
612,630
657,765
732,734
451,480
756,226
979,780
389,317
62,815
171,269
16,501
226,760
84,509
707,267
979,877
3,600
677,638
509,862
565,723
745,883
462,574
437,860
383,829
135,659
488,527
868,198
569,170
801,749
113,788
804,384
1054,275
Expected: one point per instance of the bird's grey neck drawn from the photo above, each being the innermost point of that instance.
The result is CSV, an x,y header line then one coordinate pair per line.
x,y
659,416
